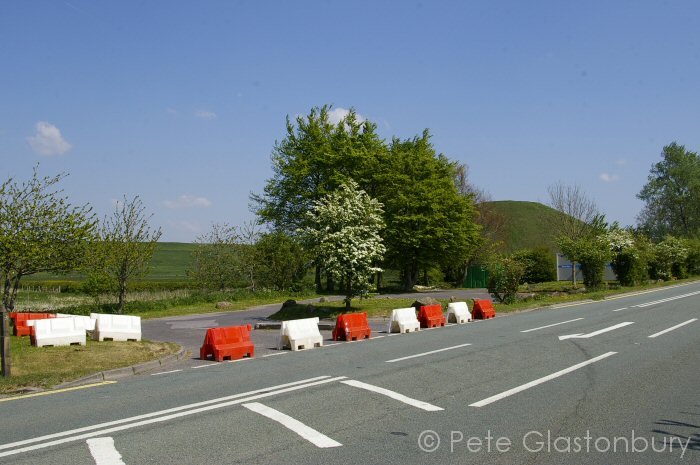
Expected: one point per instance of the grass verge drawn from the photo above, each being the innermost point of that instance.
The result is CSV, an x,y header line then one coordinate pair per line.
x,y
379,306
43,367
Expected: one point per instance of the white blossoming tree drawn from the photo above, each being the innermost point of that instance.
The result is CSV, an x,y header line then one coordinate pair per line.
x,y
344,232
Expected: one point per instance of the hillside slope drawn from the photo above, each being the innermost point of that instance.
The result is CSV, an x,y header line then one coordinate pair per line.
x,y
527,225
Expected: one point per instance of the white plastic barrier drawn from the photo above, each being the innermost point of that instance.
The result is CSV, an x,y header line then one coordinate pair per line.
x,y
88,321
59,332
403,320
458,312
116,327
300,334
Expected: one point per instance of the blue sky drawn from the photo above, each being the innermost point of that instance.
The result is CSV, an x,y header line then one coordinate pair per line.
x,y
181,102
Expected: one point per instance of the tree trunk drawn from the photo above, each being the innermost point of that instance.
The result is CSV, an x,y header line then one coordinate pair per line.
x,y
6,292
379,281
317,279
330,283
5,342
15,288
348,294
573,273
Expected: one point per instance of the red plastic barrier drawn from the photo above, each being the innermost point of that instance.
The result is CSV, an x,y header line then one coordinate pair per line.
x,y
351,327
20,320
430,316
232,342
483,310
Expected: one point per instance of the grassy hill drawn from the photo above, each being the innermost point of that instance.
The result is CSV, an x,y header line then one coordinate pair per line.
x,y
527,224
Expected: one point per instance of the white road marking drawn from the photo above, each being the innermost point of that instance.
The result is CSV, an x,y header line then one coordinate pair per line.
x,y
595,333
251,395
377,337
549,326
534,383
620,309
205,365
669,299
672,328
394,395
164,372
104,452
426,353
276,353
306,432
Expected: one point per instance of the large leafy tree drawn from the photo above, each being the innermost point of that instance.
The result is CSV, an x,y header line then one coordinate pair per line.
x,y
126,246
344,231
315,158
428,222
40,231
672,195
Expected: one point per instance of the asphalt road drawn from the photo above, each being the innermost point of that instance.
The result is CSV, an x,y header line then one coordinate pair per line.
x,y
596,383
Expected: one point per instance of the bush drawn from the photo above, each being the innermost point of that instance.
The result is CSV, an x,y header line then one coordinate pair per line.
x,y
505,274
540,265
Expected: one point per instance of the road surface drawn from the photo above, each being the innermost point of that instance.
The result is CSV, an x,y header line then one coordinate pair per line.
x,y
606,382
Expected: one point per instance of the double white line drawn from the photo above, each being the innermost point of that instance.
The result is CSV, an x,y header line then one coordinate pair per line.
x,y
647,304
103,429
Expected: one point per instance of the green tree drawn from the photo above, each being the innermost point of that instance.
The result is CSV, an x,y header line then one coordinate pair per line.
x,y
428,222
282,261
315,158
672,195
126,247
344,232
669,258
40,231
592,251
215,259
630,256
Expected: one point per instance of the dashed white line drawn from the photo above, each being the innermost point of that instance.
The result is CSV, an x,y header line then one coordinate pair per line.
x,y
669,299
510,392
306,432
164,372
276,353
620,309
394,395
104,452
205,365
550,326
426,353
672,328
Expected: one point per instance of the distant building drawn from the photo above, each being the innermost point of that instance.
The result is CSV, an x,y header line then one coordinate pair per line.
x,y
565,269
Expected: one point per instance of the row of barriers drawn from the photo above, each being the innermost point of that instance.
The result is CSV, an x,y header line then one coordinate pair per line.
x,y
49,329
233,342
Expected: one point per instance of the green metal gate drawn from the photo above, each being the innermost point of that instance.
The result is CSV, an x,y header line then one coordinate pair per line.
x,y
477,277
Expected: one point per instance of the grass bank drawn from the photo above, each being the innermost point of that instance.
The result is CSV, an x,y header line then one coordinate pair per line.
x,y
43,367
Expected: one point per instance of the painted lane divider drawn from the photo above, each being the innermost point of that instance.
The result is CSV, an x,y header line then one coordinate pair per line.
x,y
242,397
306,432
672,328
510,392
165,372
427,353
669,299
104,452
549,326
620,309
595,333
394,395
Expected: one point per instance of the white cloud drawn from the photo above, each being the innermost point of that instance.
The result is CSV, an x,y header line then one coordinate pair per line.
x,y
608,177
337,114
621,162
47,140
205,114
188,201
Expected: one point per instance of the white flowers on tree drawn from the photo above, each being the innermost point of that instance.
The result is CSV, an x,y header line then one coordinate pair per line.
x,y
345,231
